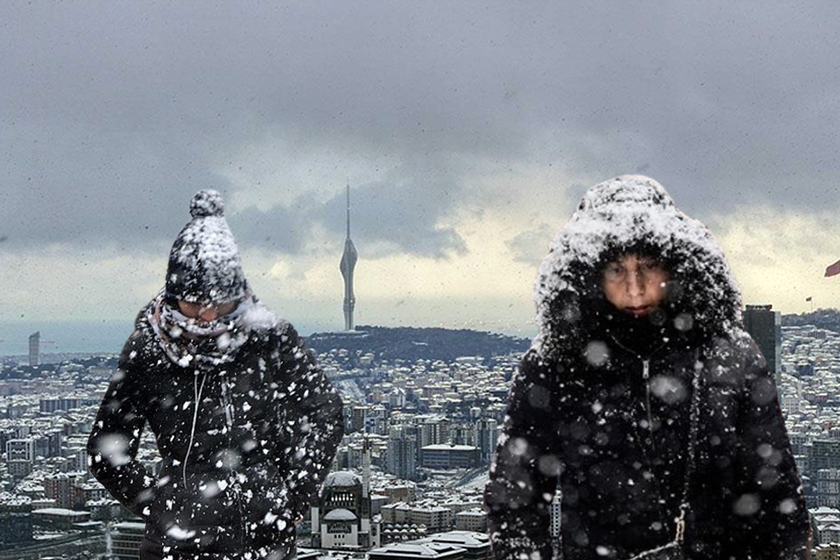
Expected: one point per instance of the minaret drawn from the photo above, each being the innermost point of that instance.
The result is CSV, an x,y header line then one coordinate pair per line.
x,y
348,263
366,452
366,505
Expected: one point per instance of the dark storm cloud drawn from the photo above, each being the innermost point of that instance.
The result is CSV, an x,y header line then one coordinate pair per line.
x,y
113,113
409,225
397,215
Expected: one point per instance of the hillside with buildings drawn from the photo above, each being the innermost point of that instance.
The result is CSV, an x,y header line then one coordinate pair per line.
x,y
422,410
422,414
821,318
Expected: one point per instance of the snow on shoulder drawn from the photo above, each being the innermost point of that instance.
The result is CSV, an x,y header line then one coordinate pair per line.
x,y
258,317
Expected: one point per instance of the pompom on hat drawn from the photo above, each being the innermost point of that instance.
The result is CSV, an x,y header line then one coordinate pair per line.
x,y
204,264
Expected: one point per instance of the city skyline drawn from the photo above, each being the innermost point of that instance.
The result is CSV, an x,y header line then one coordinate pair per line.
x,y
468,131
429,425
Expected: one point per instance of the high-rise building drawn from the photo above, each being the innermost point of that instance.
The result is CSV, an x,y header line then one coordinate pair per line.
x,y
62,487
487,433
361,415
124,541
20,457
824,454
403,452
15,521
34,348
765,327
828,487
348,264
448,456
434,430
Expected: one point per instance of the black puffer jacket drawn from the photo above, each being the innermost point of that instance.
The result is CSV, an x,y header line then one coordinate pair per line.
x,y
244,445
600,405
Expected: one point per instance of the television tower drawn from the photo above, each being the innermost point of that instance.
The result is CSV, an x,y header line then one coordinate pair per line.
x,y
348,263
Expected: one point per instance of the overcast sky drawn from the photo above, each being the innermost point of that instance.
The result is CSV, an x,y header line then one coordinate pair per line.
x,y
467,131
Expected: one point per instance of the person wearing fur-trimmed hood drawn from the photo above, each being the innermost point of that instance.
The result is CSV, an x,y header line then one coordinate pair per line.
x,y
245,420
642,401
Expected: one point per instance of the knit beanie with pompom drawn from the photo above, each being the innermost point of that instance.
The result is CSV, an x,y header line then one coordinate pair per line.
x,y
204,264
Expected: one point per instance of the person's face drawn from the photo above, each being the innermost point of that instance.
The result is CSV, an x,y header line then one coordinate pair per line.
x,y
635,284
205,312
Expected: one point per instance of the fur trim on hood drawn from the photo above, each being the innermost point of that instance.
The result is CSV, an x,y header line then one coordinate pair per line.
x,y
633,213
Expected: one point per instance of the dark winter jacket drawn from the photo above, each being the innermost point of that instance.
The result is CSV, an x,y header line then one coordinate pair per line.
x,y
244,445
599,408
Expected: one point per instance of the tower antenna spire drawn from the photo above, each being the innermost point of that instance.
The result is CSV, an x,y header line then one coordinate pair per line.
x,y
348,264
348,209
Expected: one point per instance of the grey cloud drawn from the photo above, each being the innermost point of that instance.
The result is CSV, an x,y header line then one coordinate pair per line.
x,y
113,113
281,229
531,246
82,191
404,214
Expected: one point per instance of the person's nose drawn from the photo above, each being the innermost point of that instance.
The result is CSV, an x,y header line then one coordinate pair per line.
x,y
208,315
635,284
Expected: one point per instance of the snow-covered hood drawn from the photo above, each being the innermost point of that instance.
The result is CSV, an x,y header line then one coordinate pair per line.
x,y
627,212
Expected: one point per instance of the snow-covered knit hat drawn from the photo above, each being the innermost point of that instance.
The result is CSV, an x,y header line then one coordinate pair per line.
x,y
204,264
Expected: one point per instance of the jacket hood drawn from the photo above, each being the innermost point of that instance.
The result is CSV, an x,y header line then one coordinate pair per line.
x,y
633,213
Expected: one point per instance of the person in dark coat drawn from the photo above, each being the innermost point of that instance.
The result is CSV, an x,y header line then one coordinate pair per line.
x,y
245,421
639,325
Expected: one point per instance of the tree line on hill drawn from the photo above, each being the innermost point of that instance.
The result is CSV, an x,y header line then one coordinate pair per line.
x,y
413,343
828,319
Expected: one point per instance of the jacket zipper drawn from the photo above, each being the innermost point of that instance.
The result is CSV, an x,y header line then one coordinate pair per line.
x,y
226,403
679,520
646,378
228,406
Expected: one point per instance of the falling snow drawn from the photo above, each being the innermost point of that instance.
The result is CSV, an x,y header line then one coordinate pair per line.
x,y
600,407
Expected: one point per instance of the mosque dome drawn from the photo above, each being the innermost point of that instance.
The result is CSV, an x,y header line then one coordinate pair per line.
x,y
340,514
342,479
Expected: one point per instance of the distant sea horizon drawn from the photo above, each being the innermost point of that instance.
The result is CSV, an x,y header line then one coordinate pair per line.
x,y
103,337
76,337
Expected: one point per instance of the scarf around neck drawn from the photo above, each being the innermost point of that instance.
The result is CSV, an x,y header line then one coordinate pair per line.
x,y
189,342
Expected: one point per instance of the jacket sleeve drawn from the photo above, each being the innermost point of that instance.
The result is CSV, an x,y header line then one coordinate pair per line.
x,y
315,421
115,438
769,499
523,476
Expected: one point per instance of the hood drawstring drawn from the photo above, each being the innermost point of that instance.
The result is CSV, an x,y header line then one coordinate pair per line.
x,y
197,391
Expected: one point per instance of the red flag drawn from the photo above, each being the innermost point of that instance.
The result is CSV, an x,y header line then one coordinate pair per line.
x,y
833,269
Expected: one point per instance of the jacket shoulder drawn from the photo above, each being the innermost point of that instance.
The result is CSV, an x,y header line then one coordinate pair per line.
x,y
535,375
283,336
734,359
142,346
288,347
737,344
534,364
139,348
